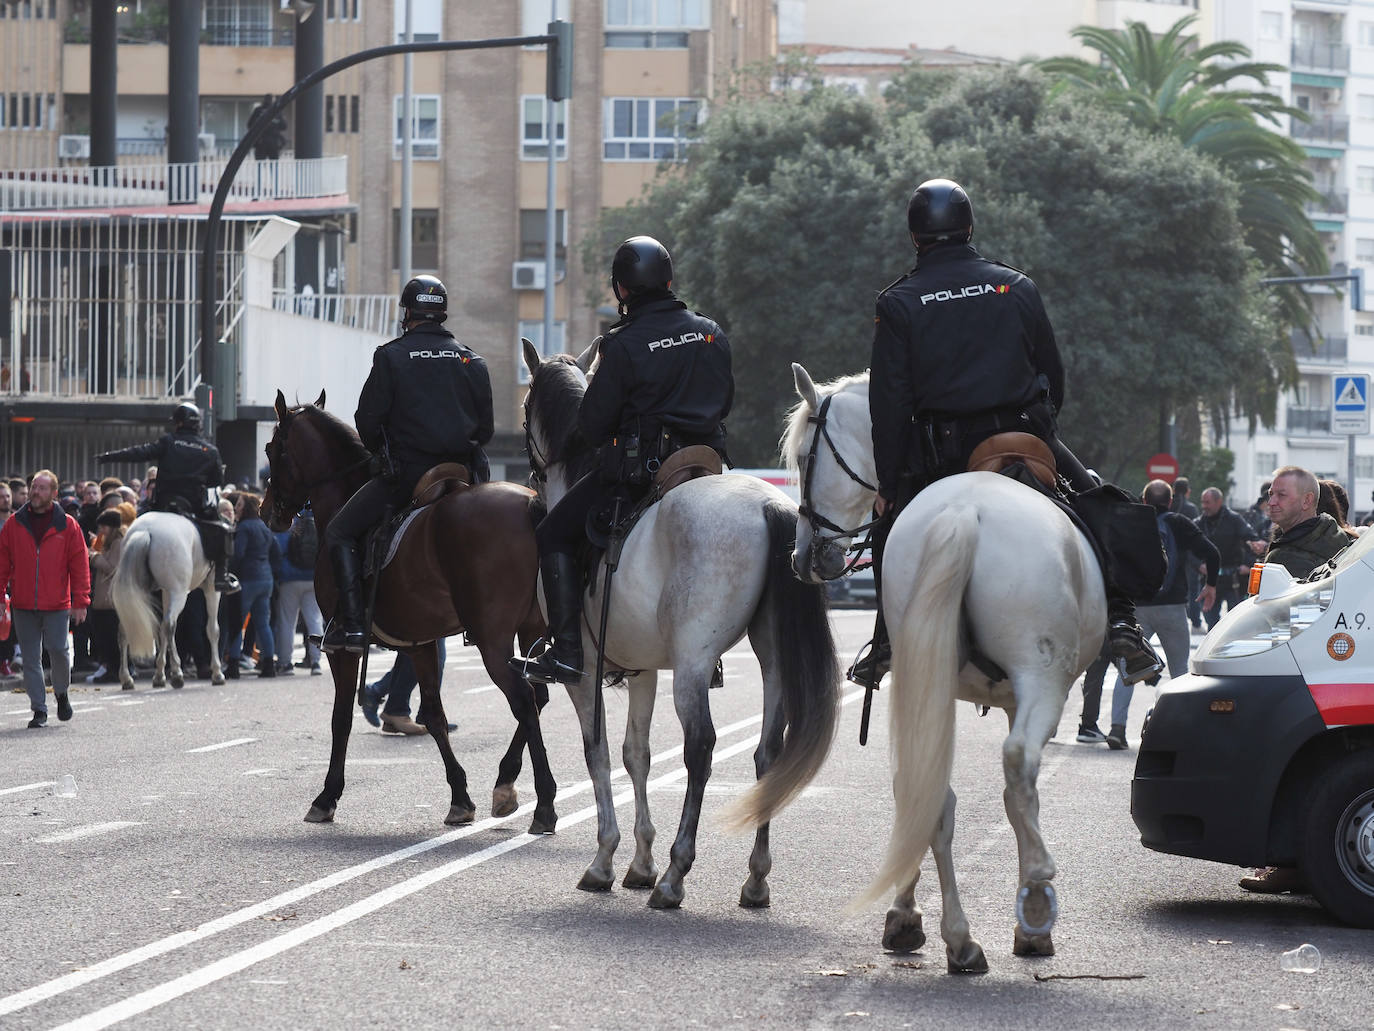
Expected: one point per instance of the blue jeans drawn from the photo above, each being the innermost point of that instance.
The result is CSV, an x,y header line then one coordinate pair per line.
x,y
1170,624
256,599
39,632
398,683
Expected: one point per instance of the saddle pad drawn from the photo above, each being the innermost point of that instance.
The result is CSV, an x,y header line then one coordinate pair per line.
x,y
396,537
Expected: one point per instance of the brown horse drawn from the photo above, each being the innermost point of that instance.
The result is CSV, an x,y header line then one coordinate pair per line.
x,y
466,563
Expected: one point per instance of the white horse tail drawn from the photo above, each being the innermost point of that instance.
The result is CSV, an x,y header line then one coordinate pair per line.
x,y
925,679
132,593
808,670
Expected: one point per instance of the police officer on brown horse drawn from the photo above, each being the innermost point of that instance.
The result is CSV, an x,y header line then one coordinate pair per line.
x,y
663,382
187,465
963,350
426,401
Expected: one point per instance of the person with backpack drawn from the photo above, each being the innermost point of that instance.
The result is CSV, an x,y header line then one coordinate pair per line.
x,y
298,547
1166,614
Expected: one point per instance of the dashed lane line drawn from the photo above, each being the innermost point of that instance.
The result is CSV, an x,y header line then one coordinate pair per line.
x,y
88,831
28,787
222,744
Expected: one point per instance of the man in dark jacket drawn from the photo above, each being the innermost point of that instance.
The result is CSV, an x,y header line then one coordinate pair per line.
x,y
187,466
1228,530
1303,538
426,401
962,350
664,381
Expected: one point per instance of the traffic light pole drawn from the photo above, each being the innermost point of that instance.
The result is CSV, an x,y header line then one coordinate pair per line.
x,y
559,43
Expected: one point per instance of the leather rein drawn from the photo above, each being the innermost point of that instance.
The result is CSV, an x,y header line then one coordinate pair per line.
x,y
808,511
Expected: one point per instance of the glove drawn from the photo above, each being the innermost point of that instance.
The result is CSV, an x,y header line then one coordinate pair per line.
x,y
106,457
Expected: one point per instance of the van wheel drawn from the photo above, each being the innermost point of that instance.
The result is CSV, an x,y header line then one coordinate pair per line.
x,y
1338,843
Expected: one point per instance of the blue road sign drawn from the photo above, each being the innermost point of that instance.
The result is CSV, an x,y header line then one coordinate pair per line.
x,y
1351,393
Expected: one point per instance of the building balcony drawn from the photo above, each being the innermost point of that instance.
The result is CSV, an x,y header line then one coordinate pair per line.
x,y
1309,55
1326,350
1307,422
1323,129
371,313
77,187
1331,202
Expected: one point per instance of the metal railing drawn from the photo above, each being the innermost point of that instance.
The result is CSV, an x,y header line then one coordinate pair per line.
x,y
374,313
133,186
1323,56
1323,350
1331,202
1330,128
1309,420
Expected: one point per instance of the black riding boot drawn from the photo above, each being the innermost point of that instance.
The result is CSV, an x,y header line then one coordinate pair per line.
x,y
1134,657
562,660
345,631
875,662
217,535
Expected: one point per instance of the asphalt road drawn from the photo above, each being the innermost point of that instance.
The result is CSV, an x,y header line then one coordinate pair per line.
x,y
181,888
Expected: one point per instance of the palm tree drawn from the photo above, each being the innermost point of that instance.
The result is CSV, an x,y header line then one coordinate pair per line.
x,y
1165,85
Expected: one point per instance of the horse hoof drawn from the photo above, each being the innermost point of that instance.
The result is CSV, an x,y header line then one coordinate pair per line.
x,y
662,899
217,679
1037,909
754,896
640,880
177,683
126,685
594,882
460,816
544,821
968,960
902,932
159,682
504,800
318,815
1031,944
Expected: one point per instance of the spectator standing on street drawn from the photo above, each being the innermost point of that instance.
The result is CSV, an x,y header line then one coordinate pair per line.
x,y
104,621
44,563
1235,542
298,548
254,548
7,638
1183,505
1335,502
1257,515
19,493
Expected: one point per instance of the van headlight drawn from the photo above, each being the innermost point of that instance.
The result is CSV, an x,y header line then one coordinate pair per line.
x,y
1256,626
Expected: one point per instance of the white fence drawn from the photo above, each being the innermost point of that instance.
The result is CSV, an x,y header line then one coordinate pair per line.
x,y
371,313
135,186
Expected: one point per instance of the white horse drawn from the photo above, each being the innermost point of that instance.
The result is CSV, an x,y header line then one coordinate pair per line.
x,y
980,567
162,553
704,566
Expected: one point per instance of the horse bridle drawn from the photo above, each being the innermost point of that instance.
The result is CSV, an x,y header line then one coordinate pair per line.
x,y
808,511
309,485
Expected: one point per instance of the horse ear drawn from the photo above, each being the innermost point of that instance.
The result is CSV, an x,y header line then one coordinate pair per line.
x,y
280,406
587,357
532,356
806,389
320,402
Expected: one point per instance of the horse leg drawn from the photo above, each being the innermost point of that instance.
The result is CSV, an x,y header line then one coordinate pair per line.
x,y
504,798
755,894
902,931
344,668
212,627
601,873
1036,905
126,680
160,647
170,615
698,741
643,873
963,954
524,706
461,811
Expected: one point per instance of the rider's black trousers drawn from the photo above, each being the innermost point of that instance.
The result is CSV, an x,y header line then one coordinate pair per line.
x,y
361,512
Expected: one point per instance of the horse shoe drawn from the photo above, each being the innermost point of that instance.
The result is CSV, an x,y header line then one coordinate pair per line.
x,y
1031,930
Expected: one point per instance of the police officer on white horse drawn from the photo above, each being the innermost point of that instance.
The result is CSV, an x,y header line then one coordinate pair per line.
x,y
962,350
426,401
187,465
663,381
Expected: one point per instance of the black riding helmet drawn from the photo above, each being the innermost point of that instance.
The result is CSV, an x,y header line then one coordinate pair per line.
x,y
640,263
186,414
424,297
940,210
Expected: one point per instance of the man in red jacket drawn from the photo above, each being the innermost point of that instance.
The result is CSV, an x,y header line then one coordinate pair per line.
x,y
43,561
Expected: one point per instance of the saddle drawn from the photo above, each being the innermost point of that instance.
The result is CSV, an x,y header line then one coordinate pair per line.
x,y
1002,451
435,485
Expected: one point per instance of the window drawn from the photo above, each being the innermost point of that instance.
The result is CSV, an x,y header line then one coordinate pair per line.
x,y
1271,25
1265,463
534,16
533,330
660,24
1364,105
1364,178
424,239
1304,102
649,129
233,23
532,236
1367,33
1364,248
339,111
1364,329
1364,467
426,20
534,141
424,126
26,110
344,10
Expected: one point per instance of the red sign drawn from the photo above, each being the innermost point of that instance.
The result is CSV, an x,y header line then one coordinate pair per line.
x,y
1162,467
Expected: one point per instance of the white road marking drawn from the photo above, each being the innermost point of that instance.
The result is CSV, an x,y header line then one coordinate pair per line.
x,y
28,787
96,971
129,701
259,773
85,832
481,690
222,744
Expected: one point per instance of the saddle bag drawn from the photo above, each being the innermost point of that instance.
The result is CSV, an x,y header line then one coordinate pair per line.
x,y
1128,538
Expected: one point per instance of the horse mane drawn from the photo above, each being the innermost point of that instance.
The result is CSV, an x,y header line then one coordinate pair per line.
x,y
335,431
798,414
555,405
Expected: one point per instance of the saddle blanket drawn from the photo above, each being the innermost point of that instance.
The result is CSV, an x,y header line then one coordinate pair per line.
x,y
396,537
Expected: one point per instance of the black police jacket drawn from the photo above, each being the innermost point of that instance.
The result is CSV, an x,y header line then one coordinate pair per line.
x,y
662,366
1229,531
956,336
186,465
429,395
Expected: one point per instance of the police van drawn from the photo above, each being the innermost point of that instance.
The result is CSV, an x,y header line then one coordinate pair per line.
x,y
1263,754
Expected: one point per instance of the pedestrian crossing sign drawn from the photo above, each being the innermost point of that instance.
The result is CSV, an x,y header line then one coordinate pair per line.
x,y
1349,403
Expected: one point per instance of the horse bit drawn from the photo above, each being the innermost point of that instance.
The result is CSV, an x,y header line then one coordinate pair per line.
x,y
807,510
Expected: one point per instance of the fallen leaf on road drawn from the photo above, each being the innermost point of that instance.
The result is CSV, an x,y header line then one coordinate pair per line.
x,y
1287,1006
277,918
908,964
404,965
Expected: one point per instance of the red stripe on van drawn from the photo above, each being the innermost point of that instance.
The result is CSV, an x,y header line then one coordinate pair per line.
x,y
1343,705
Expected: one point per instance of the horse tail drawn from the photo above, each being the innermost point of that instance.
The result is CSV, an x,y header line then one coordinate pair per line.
x,y
132,593
925,679
809,672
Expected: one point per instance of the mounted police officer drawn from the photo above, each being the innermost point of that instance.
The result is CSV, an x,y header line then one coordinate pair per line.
x,y
426,401
663,382
187,465
962,350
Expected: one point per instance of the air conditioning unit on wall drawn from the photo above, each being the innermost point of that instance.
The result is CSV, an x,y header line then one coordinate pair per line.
x,y
527,275
73,146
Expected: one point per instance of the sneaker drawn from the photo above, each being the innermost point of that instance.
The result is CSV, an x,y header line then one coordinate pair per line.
x,y
305,664
94,678
1275,880
1116,739
370,700
64,708
401,725
40,719
1090,735
315,670
285,669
